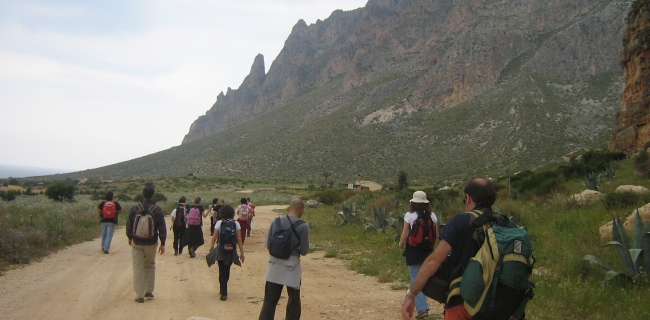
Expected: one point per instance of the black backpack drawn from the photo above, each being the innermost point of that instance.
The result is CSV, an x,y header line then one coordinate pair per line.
x,y
280,241
180,216
227,235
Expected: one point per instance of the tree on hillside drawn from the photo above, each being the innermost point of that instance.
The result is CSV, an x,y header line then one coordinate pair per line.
x,y
402,182
13,181
326,175
60,191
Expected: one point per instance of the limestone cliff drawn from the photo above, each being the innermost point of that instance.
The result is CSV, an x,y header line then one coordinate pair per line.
x,y
633,123
435,53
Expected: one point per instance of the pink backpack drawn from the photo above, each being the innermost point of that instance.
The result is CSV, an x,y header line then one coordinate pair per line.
x,y
194,217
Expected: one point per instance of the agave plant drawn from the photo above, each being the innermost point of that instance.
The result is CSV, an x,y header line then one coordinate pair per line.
x,y
592,182
396,225
348,214
380,220
610,173
635,258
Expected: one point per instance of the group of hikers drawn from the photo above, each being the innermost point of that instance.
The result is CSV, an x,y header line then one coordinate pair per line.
x,y
187,222
480,269
287,240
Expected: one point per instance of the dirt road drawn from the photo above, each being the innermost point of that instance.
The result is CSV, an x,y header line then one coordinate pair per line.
x,y
81,282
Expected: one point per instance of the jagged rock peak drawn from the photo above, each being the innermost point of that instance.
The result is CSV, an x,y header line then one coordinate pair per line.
x,y
300,25
257,75
632,131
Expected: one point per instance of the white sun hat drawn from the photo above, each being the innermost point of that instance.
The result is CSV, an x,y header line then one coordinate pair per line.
x,y
419,197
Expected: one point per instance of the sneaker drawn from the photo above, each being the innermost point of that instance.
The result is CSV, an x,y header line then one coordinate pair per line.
x,y
105,251
248,234
175,252
139,300
422,314
148,295
223,297
192,253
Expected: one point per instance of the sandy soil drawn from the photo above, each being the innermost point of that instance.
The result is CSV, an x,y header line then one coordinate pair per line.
x,y
81,282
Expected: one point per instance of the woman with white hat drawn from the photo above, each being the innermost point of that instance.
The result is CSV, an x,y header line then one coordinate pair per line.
x,y
418,238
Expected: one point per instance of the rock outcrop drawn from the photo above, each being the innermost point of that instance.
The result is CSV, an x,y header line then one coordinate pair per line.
x,y
586,197
633,124
631,188
605,231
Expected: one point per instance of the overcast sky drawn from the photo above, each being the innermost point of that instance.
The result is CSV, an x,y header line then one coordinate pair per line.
x,y
84,84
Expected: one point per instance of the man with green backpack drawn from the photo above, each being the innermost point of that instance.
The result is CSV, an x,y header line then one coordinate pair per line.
x,y
482,267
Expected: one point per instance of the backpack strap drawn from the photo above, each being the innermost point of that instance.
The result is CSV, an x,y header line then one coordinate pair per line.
x,y
294,232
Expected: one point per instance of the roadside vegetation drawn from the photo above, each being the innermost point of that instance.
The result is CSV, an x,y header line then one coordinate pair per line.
x,y
362,227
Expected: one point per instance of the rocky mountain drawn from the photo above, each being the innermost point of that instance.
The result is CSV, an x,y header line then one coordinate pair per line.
x,y
437,88
447,52
633,123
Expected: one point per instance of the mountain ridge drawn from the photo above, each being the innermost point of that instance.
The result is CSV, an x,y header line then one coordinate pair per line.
x,y
472,87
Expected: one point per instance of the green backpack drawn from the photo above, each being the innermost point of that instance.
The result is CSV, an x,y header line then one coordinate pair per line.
x,y
497,282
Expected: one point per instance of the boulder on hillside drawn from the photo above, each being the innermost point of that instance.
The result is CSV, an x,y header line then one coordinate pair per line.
x,y
312,203
586,197
631,188
445,188
628,223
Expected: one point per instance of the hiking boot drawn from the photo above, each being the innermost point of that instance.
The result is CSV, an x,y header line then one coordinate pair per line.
x,y
139,300
148,295
223,297
192,253
248,234
422,314
175,252
105,251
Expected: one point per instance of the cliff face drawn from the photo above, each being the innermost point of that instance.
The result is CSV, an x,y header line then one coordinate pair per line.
x,y
436,53
633,123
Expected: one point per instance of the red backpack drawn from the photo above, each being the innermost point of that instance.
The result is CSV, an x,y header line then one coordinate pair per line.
x,y
109,209
423,234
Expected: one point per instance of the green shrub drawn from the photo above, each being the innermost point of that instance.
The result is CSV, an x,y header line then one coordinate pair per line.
x,y
598,161
123,197
537,183
347,194
642,163
329,196
60,191
159,197
624,200
9,195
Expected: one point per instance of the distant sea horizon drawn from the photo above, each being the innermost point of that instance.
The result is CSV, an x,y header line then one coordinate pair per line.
x,y
14,171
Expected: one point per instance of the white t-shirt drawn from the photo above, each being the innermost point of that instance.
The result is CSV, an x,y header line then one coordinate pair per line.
x,y
216,226
410,217
173,214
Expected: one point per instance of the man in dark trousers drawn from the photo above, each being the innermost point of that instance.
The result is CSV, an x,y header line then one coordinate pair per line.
x,y
108,211
287,272
143,243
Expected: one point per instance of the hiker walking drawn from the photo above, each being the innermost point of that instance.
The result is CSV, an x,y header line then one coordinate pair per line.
x,y
251,215
145,226
417,241
286,272
178,224
228,232
193,237
108,211
458,244
242,217
214,209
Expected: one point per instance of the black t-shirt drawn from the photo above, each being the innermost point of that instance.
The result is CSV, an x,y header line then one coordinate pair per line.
x,y
457,226
118,208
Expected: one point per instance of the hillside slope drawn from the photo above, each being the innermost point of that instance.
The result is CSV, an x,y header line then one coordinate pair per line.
x,y
437,88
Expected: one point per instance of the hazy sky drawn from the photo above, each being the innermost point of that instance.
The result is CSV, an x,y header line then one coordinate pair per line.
x,y
84,84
